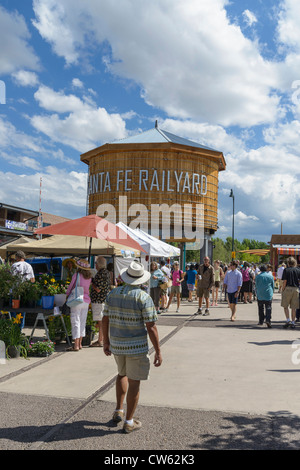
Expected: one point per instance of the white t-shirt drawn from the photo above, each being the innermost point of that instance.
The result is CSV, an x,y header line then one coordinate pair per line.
x,y
23,268
279,272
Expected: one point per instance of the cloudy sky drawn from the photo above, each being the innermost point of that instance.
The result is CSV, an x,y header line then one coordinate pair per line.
x,y
78,74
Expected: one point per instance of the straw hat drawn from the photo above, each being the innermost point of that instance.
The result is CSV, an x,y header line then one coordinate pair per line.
x,y
83,264
135,274
68,260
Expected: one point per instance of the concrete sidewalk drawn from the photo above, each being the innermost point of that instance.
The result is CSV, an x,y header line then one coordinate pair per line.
x,y
226,378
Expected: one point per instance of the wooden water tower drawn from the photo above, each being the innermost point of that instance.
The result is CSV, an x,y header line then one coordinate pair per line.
x,y
153,169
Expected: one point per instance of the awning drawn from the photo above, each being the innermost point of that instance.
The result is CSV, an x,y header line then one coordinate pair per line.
x,y
258,251
69,245
292,250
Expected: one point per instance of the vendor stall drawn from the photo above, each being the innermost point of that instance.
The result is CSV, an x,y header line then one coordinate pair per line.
x,y
69,245
153,248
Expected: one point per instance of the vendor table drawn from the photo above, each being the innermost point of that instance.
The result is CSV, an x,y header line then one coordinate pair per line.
x,y
41,314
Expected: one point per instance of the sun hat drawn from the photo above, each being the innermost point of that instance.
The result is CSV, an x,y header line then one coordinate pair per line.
x,y
67,260
135,274
83,264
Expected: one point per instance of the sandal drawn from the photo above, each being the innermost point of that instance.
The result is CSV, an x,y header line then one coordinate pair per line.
x,y
72,349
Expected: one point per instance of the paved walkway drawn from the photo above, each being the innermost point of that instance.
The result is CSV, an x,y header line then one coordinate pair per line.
x,y
222,385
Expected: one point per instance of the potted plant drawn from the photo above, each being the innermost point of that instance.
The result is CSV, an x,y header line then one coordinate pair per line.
x,y
10,333
17,288
41,348
31,293
56,333
60,295
48,289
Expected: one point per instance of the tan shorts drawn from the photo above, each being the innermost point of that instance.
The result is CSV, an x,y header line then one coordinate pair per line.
x,y
290,298
202,292
97,310
134,367
176,290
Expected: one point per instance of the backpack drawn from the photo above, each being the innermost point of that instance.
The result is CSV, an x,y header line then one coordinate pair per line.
x,y
246,275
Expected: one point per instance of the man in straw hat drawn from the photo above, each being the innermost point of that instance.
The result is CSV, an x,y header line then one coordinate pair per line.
x,y
129,315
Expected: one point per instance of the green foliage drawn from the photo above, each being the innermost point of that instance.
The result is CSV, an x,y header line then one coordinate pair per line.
x,y
6,280
222,251
11,335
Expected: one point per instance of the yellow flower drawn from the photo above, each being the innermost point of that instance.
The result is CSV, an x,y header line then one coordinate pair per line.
x,y
52,280
18,318
45,282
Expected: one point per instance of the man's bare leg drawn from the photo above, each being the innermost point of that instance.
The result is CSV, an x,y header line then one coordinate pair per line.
x,y
132,399
121,389
233,311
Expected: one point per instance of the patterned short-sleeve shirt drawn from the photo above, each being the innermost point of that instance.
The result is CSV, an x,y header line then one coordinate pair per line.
x,y
102,282
128,309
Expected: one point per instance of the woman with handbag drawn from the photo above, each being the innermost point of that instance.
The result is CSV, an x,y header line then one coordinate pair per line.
x,y
80,283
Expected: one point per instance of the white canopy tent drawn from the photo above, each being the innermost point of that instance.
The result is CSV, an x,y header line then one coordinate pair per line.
x,y
153,247
170,250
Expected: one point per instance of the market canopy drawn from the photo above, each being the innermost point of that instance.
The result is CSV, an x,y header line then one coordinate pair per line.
x,y
92,227
69,245
258,251
19,241
291,250
151,245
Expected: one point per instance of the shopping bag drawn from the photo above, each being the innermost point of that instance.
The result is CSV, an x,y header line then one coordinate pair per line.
x,y
76,295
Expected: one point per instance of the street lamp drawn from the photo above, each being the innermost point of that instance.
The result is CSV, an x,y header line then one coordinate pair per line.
x,y
232,244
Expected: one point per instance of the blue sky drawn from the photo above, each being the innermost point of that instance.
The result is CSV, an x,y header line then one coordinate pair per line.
x,y
82,73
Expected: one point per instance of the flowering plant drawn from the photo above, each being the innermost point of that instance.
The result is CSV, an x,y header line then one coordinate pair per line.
x,y
11,335
41,348
47,284
50,286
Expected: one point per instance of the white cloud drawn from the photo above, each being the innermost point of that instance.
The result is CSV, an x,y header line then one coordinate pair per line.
x,y
11,137
20,149
187,58
242,218
249,17
51,24
213,136
77,83
21,161
17,52
85,126
288,24
26,78
63,192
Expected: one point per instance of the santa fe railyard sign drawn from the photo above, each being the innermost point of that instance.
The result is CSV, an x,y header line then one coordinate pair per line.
x,y
148,180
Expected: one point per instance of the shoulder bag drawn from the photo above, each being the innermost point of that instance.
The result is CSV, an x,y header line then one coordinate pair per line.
x,y
76,295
